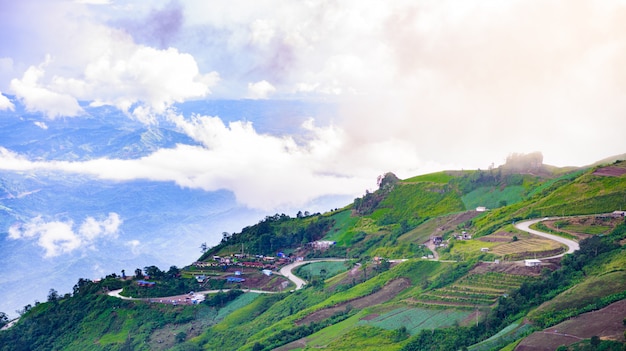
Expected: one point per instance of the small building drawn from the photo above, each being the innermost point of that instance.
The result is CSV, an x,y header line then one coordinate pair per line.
x,y
267,272
484,249
617,214
235,279
481,209
323,244
201,278
532,263
436,239
237,272
146,283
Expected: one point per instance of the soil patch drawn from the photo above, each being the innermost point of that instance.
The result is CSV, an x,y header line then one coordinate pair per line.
x,y
610,171
607,323
499,237
517,268
369,317
387,292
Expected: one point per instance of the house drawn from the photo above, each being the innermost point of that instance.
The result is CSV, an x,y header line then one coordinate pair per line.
x,y
235,279
532,263
146,283
322,244
253,264
436,239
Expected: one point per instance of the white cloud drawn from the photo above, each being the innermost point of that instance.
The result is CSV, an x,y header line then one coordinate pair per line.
x,y
135,246
260,90
6,104
59,237
38,98
100,64
41,125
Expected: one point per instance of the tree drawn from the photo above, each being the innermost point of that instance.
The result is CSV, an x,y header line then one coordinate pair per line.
x,y
203,247
595,341
123,274
181,336
4,319
173,271
138,273
153,271
53,296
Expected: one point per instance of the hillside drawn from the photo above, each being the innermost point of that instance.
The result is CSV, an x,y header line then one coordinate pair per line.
x,y
432,262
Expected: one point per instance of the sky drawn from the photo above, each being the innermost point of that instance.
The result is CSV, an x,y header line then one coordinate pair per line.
x,y
420,86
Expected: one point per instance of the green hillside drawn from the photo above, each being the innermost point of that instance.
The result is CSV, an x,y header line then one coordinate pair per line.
x,y
385,288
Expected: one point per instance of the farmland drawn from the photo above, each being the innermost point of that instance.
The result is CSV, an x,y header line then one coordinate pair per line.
x,y
472,291
415,319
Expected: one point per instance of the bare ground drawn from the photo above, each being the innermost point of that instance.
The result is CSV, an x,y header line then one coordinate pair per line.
x,y
517,268
607,323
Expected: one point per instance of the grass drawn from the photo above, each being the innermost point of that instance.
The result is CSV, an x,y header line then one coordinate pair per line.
x,y
343,229
438,177
492,197
365,338
331,269
330,333
588,292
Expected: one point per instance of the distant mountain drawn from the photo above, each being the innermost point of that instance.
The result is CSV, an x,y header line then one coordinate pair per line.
x,y
161,223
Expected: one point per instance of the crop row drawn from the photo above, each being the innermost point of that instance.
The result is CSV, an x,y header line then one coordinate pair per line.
x,y
464,294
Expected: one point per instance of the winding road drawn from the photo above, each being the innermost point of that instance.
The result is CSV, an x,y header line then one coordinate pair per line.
x,y
286,271
571,244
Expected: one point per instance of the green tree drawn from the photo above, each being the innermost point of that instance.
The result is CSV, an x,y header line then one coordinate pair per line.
x,y
180,337
53,296
4,319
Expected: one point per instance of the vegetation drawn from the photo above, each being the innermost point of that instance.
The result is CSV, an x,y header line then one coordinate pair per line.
x,y
374,300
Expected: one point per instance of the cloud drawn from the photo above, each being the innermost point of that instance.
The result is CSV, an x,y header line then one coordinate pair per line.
x,y
88,60
260,90
37,98
6,104
59,237
263,171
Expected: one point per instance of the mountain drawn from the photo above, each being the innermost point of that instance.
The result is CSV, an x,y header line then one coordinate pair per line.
x,y
482,288
158,223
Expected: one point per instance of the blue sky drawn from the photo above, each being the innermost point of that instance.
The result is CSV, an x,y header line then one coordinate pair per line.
x,y
419,86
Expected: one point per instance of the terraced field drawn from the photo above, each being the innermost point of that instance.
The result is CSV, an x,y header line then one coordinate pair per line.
x,y
527,248
473,291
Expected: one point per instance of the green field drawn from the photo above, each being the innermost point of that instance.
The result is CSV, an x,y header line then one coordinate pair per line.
x,y
324,269
493,197
417,319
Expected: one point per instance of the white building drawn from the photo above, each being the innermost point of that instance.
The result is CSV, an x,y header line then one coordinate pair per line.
x,y
532,263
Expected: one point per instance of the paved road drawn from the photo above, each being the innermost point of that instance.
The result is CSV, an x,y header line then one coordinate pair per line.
x,y
571,244
300,283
